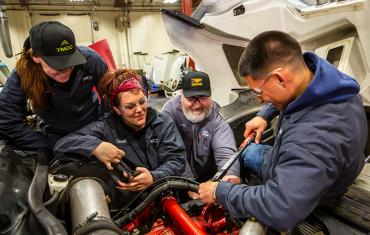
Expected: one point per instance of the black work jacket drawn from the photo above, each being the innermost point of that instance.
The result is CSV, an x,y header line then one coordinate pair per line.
x,y
164,153
68,111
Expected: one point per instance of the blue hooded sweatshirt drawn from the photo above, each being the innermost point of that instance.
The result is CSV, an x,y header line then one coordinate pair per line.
x,y
317,154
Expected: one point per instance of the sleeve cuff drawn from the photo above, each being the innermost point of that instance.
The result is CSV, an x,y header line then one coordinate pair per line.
x,y
221,192
268,112
157,175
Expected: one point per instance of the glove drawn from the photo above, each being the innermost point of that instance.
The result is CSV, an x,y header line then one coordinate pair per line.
x,y
252,157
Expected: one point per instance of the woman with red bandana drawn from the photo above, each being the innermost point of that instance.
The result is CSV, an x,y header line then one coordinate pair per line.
x,y
133,133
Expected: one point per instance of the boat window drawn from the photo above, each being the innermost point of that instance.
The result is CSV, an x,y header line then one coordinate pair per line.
x,y
233,54
334,55
337,53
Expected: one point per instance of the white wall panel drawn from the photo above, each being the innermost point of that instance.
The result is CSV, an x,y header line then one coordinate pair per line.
x,y
147,34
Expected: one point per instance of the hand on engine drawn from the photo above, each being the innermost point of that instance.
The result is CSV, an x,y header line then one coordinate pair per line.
x,y
231,179
137,183
193,195
108,153
207,192
256,124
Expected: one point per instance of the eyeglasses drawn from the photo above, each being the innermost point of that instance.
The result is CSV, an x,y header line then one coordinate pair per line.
x,y
133,107
194,99
258,90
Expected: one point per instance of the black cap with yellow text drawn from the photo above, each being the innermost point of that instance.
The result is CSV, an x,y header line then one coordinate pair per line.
x,y
56,44
196,84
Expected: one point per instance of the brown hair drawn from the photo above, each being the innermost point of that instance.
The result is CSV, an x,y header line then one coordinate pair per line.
x,y
111,81
34,81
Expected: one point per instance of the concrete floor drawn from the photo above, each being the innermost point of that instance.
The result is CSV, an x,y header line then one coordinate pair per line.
x,y
156,101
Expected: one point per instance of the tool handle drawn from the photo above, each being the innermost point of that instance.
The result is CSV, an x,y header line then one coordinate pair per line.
x,y
249,138
122,172
222,172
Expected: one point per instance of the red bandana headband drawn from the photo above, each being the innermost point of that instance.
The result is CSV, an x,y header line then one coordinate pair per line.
x,y
128,84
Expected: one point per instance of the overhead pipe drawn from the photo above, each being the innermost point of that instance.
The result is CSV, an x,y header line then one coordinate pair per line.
x,y
4,31
187,8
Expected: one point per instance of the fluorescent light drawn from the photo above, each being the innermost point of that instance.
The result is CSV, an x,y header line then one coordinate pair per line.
x,y
169,1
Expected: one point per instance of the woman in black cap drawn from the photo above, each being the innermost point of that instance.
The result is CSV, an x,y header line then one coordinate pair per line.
x,y
54,79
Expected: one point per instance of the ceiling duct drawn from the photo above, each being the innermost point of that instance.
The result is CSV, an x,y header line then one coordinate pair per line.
x,y
4,31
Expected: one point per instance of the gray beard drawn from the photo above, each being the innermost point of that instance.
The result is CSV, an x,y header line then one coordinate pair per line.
x,y
195,118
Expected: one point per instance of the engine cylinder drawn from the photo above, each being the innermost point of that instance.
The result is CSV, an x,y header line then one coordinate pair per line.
x,y
253,227
89,210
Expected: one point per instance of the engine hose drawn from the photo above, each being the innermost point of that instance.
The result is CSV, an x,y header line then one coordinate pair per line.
x,y
99,225
172,178
153,187
53,198
153,195
49,223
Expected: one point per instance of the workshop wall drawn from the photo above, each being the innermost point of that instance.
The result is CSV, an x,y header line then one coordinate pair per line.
x,y
146,34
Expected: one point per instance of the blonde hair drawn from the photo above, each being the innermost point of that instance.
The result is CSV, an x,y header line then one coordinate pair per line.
x,y
34,81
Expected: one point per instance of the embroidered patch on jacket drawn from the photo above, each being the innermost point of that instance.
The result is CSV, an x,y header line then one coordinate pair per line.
x,y
205,133
121,141
87,78
154,140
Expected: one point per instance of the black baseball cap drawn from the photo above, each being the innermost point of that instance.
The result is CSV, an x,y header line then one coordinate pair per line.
x,y
56,44
196,84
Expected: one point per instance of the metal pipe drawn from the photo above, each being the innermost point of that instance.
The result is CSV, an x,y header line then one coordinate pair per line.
x,y
180,218
4,32
89,211
86,10
253,227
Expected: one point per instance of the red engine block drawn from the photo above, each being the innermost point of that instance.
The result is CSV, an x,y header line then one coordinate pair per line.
x,y
212,220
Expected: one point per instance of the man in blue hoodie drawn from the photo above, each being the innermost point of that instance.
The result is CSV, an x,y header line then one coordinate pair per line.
x,y
320,137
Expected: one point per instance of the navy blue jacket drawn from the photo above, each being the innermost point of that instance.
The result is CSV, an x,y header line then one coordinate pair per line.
x,y
164,153
317,154
67,111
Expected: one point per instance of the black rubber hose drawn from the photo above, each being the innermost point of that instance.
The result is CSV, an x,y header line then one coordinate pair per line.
x,y
49,223
172,178
153,195
97,225
152,187
53,198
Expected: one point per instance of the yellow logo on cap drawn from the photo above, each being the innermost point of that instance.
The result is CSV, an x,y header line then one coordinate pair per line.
x,y
64,46
65,42
196,82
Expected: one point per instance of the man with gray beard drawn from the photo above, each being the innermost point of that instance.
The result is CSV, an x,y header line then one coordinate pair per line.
x,y
208,139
